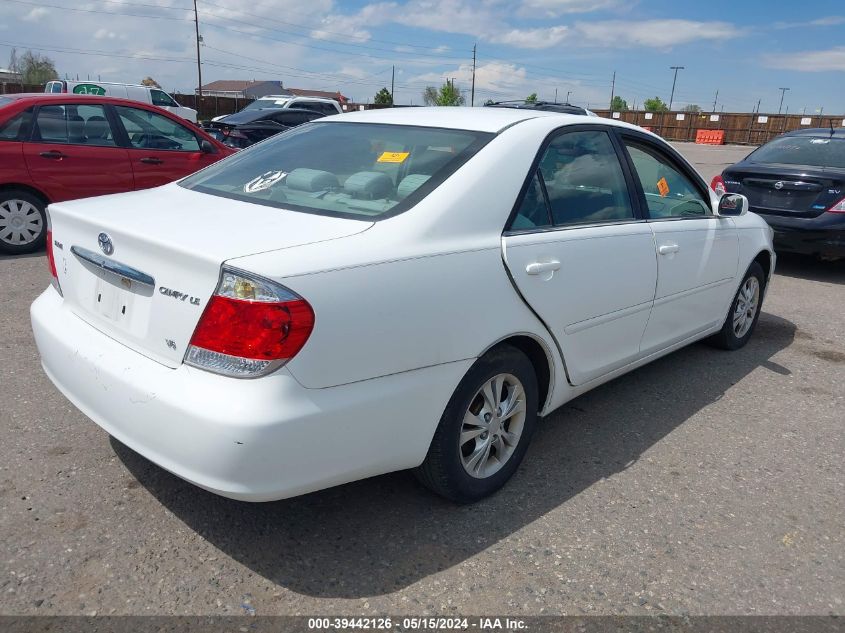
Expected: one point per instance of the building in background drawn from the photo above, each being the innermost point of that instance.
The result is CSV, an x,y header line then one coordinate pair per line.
x,y
245,89
9,76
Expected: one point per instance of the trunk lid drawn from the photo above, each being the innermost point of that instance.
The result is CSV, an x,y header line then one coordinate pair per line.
x,y
786,190
168,246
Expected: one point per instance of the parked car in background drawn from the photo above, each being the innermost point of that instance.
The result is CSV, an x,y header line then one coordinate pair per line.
x,y
246,127
402,288
136,92
796,182
324,106
57,147
545,106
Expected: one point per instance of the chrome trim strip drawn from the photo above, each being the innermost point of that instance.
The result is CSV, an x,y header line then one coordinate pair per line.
x,y
113,267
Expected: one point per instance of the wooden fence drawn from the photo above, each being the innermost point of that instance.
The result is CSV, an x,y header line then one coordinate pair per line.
x,y
740,128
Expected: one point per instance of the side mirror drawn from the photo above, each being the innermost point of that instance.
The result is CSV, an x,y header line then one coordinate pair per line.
x,y
733,205
207,148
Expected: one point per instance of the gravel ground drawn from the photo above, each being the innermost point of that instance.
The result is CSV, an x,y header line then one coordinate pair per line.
x,y
705,483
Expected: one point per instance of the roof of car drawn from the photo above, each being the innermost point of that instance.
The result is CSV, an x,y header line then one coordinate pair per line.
x,y
475,119
838,132
66,96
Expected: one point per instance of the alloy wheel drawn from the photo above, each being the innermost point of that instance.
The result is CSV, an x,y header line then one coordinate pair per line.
x,y
747,301
492,425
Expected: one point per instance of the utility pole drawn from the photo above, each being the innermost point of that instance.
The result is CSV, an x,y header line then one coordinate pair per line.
x,y
555,95
715,99
472,93
782,92
757,110
612,89
672,96
199,64
392,79
568,92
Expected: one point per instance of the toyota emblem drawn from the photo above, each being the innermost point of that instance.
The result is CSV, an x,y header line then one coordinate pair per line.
x,y
105,243
778,185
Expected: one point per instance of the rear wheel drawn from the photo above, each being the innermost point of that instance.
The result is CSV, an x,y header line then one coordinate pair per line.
x,y
485,429
23,222
744,312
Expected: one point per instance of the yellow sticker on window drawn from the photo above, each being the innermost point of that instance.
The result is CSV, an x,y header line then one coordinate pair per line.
x,y
393,157
663,187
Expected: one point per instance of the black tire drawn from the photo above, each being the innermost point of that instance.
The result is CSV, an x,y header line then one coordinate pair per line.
x,y
727,338
443,470
15,197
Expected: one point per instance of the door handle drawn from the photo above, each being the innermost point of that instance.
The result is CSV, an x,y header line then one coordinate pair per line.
x,y
666,249
53,153
535,268
152,161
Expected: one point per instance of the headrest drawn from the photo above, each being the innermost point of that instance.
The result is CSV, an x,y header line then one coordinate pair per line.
x,y
370,185
410,184
305,179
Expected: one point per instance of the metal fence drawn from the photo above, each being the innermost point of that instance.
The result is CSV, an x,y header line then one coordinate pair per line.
x,y
740,128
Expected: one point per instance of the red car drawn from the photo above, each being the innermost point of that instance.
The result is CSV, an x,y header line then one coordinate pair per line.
x,y
56,147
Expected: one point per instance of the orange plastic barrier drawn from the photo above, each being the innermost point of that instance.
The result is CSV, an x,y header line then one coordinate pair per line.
x,y
710,137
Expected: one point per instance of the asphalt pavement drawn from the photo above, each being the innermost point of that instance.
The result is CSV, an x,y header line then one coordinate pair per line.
x,y
707,482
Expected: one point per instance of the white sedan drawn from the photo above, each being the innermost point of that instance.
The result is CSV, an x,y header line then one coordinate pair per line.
x,y
393,289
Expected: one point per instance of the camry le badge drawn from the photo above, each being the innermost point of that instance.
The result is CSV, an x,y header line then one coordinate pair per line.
x,y
105,243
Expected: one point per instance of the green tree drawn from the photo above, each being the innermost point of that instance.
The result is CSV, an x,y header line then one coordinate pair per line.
x,y
489,102
383,97
447,95
691,107
35,68
655,104
618,104
532,98
149,81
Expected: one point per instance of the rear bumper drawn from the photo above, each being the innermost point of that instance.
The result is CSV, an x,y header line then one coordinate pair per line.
x,y
815,236
254,440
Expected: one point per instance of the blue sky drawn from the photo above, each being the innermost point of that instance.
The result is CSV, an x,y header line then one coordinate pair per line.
x,y
745,49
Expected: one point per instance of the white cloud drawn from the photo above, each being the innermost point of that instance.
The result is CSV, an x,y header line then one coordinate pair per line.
x,y
531,38
809,61
654,33
36,14
560,7
830,20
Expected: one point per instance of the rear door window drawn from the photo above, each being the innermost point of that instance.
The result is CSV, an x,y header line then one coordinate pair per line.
x,y
149,130
584,179
74,124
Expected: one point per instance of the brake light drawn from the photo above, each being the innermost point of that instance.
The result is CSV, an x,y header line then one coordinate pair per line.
x,y
839,207
51,260
250,327
51,257
718,185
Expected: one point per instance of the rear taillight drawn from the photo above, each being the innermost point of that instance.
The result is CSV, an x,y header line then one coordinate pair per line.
x,y
250,327
839,207
51,257
51,260
718,185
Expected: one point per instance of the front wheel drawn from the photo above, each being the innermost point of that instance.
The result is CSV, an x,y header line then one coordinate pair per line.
x,y
485,429
744,312
23,222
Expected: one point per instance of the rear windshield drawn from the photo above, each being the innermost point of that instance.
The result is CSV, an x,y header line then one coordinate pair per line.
x,y
802,150
353,170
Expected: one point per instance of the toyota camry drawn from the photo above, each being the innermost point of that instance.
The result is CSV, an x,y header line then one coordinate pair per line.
x,y
385,290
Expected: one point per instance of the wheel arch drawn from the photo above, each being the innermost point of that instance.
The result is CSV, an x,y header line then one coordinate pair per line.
x,y
540,355
764,258
9,186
